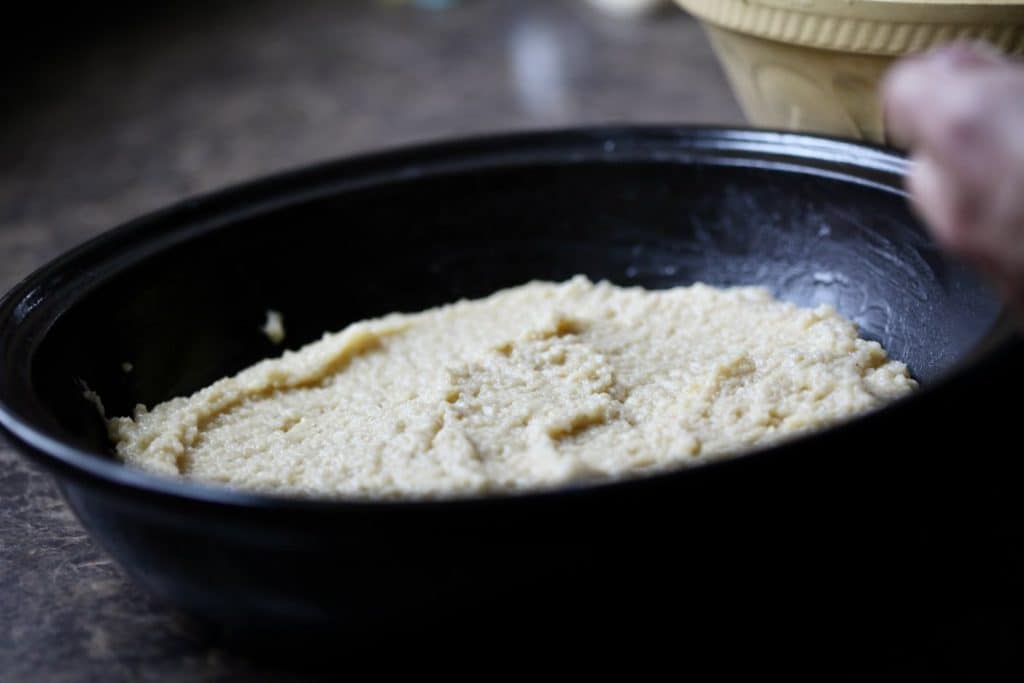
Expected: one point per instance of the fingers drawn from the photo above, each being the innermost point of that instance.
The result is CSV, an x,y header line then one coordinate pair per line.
x,y
936,197
912,85
961,110
947,108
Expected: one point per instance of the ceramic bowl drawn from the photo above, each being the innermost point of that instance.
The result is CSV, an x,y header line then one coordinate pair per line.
x,y
815,65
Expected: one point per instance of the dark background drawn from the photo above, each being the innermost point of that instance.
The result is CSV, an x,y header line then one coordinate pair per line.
x,y
111,110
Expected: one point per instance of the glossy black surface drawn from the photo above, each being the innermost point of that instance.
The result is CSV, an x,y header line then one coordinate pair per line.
x,y
835,524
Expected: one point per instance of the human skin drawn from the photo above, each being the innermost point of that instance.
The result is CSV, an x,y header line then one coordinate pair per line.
x,y
960,111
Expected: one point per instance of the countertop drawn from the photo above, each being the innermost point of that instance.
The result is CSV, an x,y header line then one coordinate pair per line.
x,y
158,105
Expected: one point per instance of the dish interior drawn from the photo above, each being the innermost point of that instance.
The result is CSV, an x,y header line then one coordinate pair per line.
x,y
191,311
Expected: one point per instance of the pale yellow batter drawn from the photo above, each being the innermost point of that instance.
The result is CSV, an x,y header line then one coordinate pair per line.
x,y
531,387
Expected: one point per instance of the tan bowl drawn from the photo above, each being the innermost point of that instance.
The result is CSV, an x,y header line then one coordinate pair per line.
x,y
815,65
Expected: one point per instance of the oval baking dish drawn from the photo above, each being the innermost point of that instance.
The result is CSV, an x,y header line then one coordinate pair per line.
x,y
181,294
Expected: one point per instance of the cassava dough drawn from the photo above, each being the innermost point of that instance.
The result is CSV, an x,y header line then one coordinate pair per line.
x,y
531,387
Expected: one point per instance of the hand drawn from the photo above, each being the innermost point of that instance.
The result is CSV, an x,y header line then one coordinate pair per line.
x,y
960,109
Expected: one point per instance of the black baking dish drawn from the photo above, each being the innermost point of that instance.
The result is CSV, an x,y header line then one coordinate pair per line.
x,y
836,521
